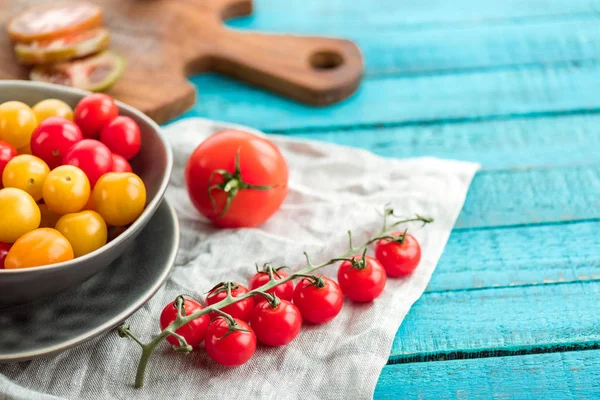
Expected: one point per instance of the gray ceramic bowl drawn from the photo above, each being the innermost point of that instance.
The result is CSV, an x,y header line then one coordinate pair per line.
x,y
153,164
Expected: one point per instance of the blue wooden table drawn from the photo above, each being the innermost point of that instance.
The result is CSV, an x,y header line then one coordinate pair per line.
x,y
512,309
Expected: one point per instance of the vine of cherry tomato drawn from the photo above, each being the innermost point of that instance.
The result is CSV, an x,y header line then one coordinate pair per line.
x,y
317,299
285,291
194,332
49,155
240,310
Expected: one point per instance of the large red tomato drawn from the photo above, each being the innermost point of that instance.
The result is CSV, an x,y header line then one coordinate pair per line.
x,y
237,179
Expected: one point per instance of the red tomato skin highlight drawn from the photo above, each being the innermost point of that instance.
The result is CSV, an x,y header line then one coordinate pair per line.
x,y
362,285
92,157
261,163
240,310
399,259
94,112
7,153
53,138
285,291
194,331
232,350
276,326
122,136
318,305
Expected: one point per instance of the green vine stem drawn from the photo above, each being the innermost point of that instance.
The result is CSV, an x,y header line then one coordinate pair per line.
x,y
149,347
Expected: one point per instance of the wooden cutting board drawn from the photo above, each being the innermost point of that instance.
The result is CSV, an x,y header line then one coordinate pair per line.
x,y
164,41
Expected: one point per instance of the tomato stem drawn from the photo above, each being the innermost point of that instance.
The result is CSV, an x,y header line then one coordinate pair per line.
x,y
148,348
271,298
315,280
231,184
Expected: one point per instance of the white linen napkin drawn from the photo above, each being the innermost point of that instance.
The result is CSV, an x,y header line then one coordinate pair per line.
x,y
332,189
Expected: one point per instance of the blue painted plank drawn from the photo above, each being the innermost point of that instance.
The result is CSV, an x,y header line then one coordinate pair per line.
x,y
517,197
416,100
503,144
541,376
302,14
462,324
401,50
533,255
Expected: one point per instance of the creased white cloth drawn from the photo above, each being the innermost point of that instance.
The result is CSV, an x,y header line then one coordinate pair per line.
x,y
332,189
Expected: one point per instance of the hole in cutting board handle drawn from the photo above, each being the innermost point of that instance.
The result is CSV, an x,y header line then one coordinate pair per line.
x,y
326,60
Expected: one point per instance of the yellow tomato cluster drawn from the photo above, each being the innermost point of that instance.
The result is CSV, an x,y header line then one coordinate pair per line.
x,y
51,216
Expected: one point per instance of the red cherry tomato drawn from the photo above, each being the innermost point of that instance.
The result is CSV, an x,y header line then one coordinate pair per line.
x,y
94,112
7,153
320,300
278,325
194,331
92,157
122,136
260,179
53,138
362,281
401,257
4,248
240,310
120,164
230,347
285,291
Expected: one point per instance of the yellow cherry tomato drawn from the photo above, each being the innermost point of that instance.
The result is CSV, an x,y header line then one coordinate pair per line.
x,y
119,197
48,217
27,173
25,149
18,214
66,189
17,122
85,230
52,108
39,247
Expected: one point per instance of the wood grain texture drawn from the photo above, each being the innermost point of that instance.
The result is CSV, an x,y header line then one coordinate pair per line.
x,y
385,14
496,145
410,101
398,49
514,86
165,40
571,375
518,197
467,324
531,255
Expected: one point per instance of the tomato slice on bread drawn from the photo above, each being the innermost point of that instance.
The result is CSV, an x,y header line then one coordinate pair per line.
x,y
54,20
74,45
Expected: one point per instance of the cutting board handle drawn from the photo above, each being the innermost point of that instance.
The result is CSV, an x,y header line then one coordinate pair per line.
x,y
313,70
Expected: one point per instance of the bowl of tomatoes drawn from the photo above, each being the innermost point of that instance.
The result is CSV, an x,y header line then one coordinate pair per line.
x,y
80,177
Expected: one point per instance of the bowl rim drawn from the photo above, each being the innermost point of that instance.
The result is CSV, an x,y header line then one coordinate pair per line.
x,y
150,208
